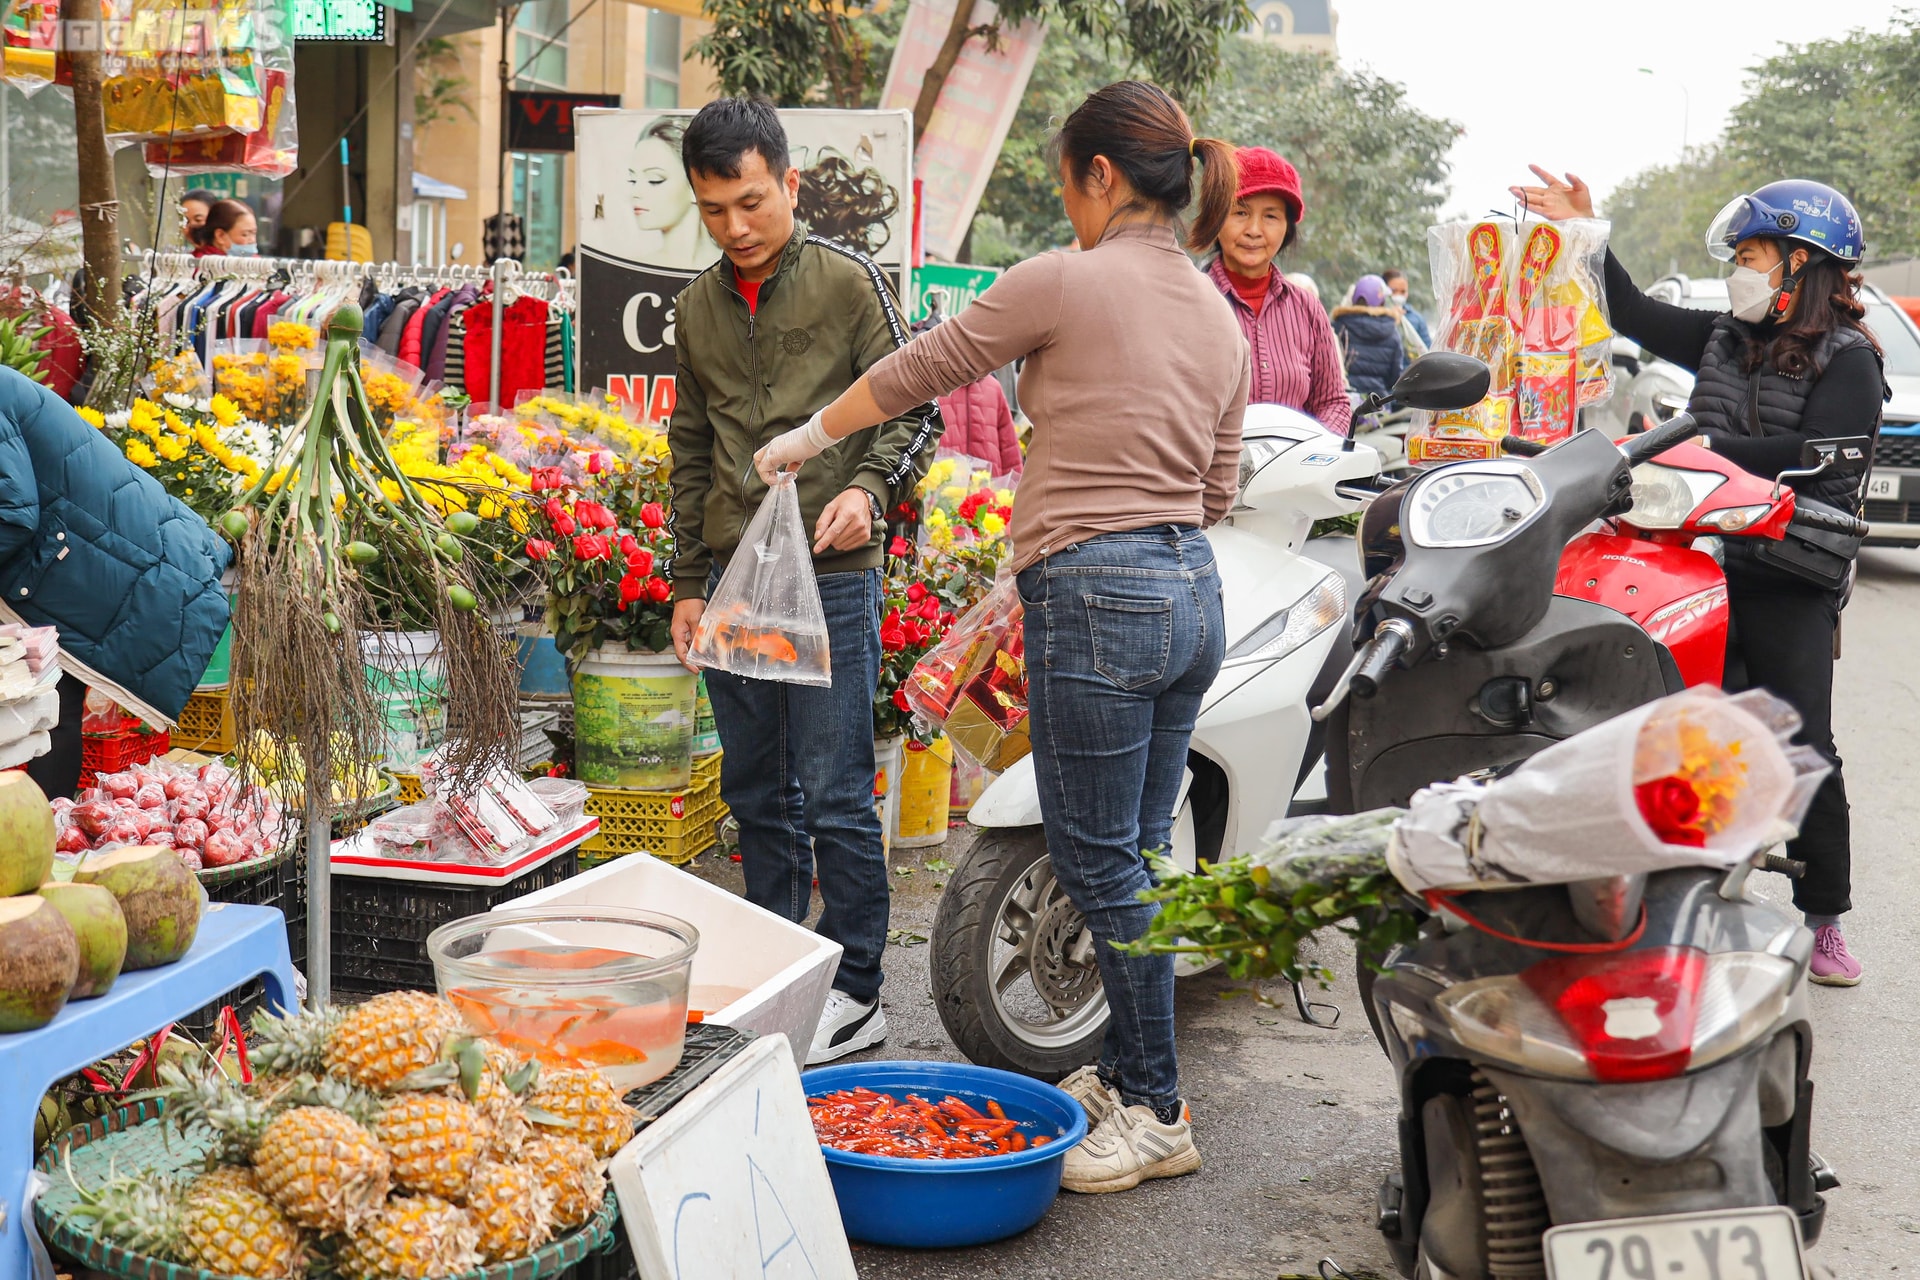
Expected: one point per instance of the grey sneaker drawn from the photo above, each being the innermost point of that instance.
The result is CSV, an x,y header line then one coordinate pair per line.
x,y
1127,1148
1094,1095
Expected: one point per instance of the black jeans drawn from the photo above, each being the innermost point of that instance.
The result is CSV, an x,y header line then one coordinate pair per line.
x,y
58,771
1785,634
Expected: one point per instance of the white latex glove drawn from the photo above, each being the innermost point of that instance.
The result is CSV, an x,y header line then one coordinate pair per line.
x,y
787,451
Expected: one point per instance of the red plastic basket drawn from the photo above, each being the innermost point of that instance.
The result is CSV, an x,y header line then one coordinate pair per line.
x,y
110,753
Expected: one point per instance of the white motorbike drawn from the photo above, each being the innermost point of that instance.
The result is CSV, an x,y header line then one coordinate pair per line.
x,y
1014,976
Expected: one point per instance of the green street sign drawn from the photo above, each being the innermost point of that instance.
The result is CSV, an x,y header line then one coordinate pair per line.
x,y
956,286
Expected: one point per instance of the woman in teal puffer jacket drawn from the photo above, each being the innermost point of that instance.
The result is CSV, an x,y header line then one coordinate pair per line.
x,y
92,545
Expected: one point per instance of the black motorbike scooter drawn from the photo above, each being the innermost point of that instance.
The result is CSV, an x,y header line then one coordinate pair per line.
x,y
1627,1054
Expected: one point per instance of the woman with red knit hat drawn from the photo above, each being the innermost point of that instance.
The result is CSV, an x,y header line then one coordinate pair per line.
x,y
1295,359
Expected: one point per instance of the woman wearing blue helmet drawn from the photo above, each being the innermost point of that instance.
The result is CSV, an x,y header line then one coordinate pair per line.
x,y
1793,360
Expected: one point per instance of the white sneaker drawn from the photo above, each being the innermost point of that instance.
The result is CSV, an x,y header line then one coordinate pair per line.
x,y
1094,1095
1127,1148
846,1026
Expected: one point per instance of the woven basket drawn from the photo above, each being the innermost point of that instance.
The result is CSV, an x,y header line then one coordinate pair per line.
x,y
130,1141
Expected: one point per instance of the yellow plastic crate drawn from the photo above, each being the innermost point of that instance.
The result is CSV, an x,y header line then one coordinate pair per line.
x,y
206,724
672,826
411,792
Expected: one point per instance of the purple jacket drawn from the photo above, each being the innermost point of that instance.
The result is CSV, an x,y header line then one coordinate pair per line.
x,y
1295,359
980,425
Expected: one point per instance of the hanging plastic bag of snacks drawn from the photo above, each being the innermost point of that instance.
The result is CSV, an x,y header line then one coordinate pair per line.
x,y
1529,299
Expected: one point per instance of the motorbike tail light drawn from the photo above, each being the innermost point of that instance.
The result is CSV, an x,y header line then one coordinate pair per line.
x,y
1631,1013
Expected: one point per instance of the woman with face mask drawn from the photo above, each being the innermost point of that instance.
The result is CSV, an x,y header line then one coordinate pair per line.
x,y
1792,361
229,229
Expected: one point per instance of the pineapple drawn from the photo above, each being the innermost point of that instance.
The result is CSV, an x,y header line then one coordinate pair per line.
x,y
391,1036
581,1105
504,1081
323,1169
228,1226
292,1045
434,1142
568,1169
410,1238
220,1222
236,1118
512,1209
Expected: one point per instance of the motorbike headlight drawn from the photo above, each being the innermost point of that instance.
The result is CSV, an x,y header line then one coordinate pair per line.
x,y
1637,1015
1255,454
1293,626
1663,497
1472,505
1744,994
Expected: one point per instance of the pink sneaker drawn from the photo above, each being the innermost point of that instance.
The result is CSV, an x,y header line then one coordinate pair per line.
x,y
1833,965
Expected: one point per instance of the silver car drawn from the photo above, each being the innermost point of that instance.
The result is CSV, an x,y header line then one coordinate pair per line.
x,y
1648,390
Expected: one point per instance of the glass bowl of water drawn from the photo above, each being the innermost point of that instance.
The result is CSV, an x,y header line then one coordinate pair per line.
x,y
580,986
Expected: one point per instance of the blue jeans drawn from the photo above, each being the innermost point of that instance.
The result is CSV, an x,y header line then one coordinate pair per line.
x,y
798,776
1124,636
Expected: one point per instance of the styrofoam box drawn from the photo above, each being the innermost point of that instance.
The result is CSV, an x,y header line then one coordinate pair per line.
x,y
785,969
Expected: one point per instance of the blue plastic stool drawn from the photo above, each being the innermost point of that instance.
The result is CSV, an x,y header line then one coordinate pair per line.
x,y
235,944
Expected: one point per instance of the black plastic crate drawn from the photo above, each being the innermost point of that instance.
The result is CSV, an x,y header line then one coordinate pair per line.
x,y
380,926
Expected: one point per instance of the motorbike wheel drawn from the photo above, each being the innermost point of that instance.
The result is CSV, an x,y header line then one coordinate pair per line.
x,y
1014,976
1486,1211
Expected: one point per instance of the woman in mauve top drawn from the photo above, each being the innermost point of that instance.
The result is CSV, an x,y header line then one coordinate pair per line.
x,y
1136,379
1295,359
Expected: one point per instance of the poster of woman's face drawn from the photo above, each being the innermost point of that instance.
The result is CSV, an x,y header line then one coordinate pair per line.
x,y
642,241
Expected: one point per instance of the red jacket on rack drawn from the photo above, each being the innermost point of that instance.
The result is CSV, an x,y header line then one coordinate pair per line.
x,y
523,338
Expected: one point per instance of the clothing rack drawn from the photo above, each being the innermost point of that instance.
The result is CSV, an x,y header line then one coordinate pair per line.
x,y
508,278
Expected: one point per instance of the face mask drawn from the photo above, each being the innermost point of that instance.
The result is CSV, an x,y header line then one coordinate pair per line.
x,y
243,250
1751,294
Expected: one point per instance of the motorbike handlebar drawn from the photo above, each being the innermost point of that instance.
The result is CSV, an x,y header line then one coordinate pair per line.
x,y
1386,648
1830,521
1675,430
1522,447
1792,868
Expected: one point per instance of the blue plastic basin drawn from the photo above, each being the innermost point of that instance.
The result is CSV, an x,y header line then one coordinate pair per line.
x,y
939,1204
543,669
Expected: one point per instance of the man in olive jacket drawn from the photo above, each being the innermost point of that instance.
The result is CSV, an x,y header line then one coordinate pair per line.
x,y
780,326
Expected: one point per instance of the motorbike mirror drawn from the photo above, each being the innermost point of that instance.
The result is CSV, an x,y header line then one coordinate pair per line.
x,y
1844,455
1441,380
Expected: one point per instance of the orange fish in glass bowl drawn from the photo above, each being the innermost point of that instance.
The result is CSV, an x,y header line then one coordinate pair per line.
x,y
598,987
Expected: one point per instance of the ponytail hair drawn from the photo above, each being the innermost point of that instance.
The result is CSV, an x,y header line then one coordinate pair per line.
x,y
1146,135
1219,183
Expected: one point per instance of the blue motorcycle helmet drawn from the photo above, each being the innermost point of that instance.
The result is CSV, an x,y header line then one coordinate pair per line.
x,y
1796,209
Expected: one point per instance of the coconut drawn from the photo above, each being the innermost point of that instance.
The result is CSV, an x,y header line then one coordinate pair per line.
x,y
100,930
26,834
39,960
159,897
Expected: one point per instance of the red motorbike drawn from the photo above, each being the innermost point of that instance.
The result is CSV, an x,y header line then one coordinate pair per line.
x,y
1644,563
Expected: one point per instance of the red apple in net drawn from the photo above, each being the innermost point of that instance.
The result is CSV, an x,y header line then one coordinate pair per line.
x,y
190,833
223,849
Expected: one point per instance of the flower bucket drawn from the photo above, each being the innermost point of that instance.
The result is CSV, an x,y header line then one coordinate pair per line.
x,y
408,675
543,668
886,783
706,735
220,667
926,781
633,720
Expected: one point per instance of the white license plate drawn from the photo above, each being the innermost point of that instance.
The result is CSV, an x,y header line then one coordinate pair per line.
x,y
1883,487
1732,1244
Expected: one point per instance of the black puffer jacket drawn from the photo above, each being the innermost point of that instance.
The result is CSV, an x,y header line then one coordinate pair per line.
x,y
1370,337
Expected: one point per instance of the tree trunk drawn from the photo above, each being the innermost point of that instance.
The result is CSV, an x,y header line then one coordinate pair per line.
x,y
958,32
99,203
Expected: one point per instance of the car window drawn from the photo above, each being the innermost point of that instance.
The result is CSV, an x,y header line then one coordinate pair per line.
x,y
1897,338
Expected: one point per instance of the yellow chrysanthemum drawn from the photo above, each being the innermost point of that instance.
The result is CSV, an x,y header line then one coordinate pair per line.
x,y
172,449
224,411
140,455
992,525
93,417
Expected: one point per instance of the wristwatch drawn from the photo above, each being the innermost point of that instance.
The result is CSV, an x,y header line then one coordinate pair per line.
x,y
873,504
